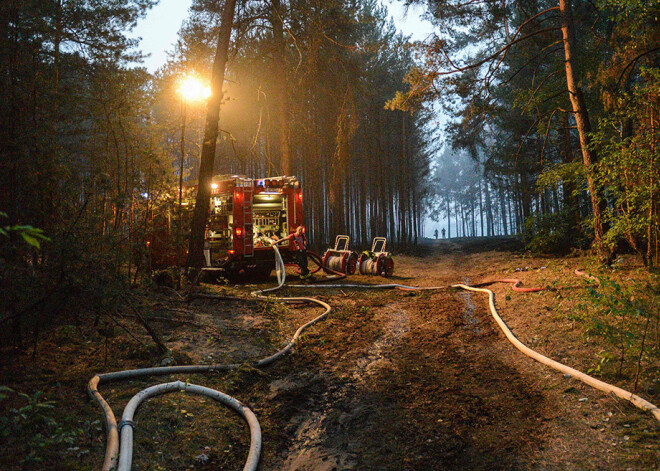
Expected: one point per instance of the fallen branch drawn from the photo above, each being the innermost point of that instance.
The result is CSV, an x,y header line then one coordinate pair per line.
x,y
162,348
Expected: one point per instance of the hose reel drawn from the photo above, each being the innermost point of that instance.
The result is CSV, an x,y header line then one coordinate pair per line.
x,y
340,258
376,261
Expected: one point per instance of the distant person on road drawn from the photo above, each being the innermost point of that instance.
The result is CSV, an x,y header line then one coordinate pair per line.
x,y
436,234
443,233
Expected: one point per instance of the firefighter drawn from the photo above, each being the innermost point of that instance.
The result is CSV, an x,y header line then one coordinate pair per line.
x,y
300,241
300,244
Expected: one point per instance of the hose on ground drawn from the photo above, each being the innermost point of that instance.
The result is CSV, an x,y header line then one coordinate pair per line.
x,y
280,269
115,443
516,285
580,272
127,424
590,380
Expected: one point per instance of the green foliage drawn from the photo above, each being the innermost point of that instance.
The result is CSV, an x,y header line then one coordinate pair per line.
x,y
500,73
555,233
32,423
82,161
31,235
623,314
554,175
559,232
629,170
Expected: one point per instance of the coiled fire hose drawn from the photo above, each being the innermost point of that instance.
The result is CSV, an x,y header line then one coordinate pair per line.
x,y
126,426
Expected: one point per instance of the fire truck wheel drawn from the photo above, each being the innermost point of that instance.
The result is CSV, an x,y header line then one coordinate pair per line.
x,y
259,273
210,276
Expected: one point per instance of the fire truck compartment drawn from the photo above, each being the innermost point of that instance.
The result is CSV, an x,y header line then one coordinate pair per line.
x,y
269,217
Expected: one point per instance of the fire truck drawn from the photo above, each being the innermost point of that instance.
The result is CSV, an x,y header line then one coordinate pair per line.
x,y
245,213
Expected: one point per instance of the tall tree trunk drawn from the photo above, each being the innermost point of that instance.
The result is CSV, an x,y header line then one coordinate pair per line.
x,y
448,220
481,211
456,211
651,217
281,104
346,128
200,214
589,157
503,212
490,230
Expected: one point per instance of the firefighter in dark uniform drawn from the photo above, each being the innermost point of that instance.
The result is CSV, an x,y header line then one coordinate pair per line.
x,y
300,244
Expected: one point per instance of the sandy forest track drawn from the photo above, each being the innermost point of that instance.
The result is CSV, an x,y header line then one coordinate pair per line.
x,y
437,386
390,381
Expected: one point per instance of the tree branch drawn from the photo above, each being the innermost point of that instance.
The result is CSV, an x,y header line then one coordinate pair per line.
x,y
497,53
632,63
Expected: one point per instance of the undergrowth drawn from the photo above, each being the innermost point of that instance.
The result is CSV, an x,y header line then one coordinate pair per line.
x,y
37,429
624,313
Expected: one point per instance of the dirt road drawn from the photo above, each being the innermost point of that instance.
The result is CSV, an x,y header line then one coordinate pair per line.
x,y
390,381
426,381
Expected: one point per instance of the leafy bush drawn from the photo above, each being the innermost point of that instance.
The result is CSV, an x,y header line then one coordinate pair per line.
x,y
32,424
626,316
555,233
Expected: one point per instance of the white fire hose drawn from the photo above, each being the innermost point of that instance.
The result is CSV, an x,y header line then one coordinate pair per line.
x,y
121,447
127,424
585,378
591,381
119,450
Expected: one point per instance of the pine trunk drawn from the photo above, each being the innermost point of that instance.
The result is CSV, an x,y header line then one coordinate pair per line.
x,y
589,157
200,214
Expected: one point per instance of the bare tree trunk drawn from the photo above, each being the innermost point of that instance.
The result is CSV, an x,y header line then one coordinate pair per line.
x,y
651,217
448,220
503,211
589,157
481,211
490,229
458,228
346,128
200,214
281,104
570,200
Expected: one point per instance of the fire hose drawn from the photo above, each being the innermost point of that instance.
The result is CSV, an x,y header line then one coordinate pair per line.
x,y
585,378
516,286
124,442
116,442
127,424
119,449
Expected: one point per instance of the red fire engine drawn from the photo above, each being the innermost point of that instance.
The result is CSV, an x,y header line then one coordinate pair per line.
x,y
244,215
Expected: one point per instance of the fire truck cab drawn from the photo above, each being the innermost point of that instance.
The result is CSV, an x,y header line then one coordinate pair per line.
x,y
244,215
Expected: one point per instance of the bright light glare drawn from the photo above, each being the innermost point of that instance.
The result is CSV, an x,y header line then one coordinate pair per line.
x,y
214,186
192,89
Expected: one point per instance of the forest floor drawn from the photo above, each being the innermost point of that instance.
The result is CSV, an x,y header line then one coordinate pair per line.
x,y
391,380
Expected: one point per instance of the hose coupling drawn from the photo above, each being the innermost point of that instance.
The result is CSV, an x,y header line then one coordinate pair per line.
x,y
124,422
